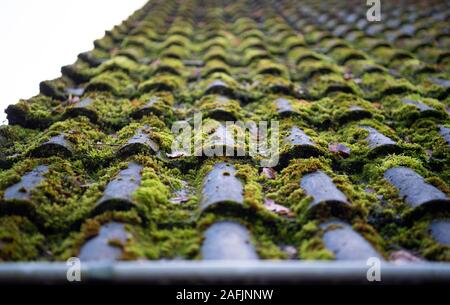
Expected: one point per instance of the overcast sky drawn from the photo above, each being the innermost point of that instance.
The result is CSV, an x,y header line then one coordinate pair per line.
x,y
40,36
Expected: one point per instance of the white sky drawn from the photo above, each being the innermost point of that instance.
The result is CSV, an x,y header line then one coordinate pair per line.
x,y
37,37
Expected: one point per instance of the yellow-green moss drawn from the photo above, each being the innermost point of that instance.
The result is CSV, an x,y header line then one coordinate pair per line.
x,y
19,239
54,202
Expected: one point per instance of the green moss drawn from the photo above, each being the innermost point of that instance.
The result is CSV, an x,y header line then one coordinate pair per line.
x,y
268,239
14,140
69,245
118,63
253,204
406,114
413,68
433,90
216,51
252,55
417,238
217,42
161,105
369,43
113,112
253,196
266,66
117,82
99,56
425,132
104,43
151,125
259,62
214,66
19,239
174,243
55,88
266,108
294,40
330,44
37,112
138,40
147,31
392,204
311,244
94,190
215,105
136,54
361,67
375,170
158,185
309,68
176,51
181,27
266,83
369,233
344,55
288,150
299,54
144,240
286,190
54,201
322,85
386,55
176,39
218,138
353,136
202,87
336,109
379,85
168,65
315,36
162,82
242,24
89,144
251,37
431,54
312,247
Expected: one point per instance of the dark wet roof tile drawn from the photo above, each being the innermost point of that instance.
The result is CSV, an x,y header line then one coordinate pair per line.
x,y
440,230
221,186
345,243
139,143
228,240
21,191
118,193
57,145
414,189
378,141
101,247
321,188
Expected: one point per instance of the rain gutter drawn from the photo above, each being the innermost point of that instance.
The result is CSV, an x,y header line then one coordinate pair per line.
x,y
210,272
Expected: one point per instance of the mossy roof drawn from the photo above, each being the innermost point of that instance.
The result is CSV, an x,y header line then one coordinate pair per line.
x,y
86,167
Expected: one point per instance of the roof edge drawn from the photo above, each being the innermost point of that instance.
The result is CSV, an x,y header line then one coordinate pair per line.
x,y
210,272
